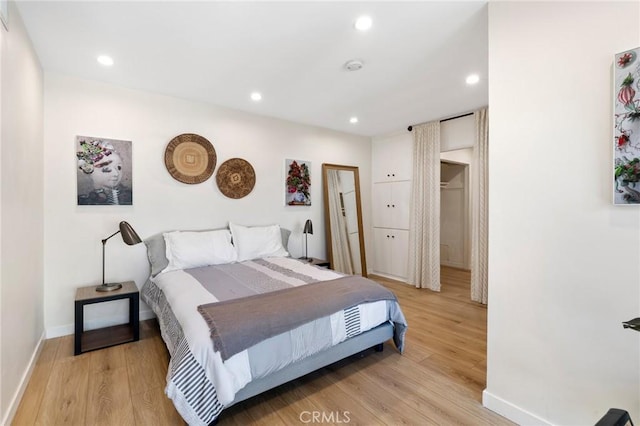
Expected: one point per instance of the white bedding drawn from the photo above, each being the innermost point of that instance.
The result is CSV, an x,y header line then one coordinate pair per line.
x,y
184,293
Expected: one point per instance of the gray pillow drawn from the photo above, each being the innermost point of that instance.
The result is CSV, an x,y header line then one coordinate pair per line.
x,y
157,253
285,238
157,249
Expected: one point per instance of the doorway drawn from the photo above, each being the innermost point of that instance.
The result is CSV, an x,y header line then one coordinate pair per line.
x,y
455,240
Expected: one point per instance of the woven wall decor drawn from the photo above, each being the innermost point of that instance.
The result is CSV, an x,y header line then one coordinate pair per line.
x,y
190,158
236,178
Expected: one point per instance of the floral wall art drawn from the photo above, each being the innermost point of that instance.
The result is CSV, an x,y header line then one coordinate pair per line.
x,y
298,183
626,155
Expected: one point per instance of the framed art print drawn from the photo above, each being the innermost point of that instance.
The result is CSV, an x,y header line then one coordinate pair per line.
x,y
4,13
103,171
298,183
626,137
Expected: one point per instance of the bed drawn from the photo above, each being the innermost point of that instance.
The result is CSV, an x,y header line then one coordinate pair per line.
x,y
239,319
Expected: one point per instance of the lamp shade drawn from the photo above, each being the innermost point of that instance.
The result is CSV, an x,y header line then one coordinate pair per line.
x,y
308,227
129,236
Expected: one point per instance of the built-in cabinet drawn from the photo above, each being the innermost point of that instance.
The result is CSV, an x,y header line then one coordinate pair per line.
x,y
391,251
391,204
391,158
392,170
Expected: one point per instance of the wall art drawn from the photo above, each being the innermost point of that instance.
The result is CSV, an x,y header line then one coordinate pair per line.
x,y
190,158
104,171
4,13
626,138
236,178
298,183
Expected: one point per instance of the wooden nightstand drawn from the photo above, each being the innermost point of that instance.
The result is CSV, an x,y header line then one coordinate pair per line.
x,y
109,336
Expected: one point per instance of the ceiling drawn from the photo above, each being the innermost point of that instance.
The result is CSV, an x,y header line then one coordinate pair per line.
x,y
416,55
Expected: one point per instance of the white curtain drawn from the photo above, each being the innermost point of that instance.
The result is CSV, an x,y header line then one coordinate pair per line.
x,y
424,231
480,209
340,253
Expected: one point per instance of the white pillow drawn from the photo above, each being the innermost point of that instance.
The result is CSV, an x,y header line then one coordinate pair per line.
x,y
186,250
257,241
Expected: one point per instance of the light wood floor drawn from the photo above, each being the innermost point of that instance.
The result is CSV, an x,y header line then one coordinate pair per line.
x,y
437,381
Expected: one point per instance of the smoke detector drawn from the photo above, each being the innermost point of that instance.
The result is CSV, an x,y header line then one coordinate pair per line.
x,y
353,65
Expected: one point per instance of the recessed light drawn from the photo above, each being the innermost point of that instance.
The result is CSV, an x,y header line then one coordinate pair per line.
x,y
353,120
353,65
473,79
363,23
255,96
105,60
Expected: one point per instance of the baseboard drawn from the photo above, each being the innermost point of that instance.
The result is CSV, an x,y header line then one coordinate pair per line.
x,y
67,329
402,280
511,411
24,381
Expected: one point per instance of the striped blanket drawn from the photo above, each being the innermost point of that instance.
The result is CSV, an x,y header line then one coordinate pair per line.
x,y
268,314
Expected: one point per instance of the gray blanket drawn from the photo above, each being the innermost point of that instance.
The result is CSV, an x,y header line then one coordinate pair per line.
x,y
238,324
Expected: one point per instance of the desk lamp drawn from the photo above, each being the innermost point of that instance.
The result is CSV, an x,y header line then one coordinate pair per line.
x,y
130,237
308,229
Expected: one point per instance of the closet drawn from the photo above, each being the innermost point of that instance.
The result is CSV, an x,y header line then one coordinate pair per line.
x,y
456,158
454,214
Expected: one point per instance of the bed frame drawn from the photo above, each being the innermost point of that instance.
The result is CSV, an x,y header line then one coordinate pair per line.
x,y
372,338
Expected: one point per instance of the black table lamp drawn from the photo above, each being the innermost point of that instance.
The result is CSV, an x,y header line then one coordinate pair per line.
x,y
130,237
308,229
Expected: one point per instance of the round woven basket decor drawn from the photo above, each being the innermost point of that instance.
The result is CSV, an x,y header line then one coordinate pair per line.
x,y
190,158
236,178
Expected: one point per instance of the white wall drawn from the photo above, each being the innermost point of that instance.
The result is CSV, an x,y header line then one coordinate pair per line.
x,y
564,263
458,134
73,233
21,212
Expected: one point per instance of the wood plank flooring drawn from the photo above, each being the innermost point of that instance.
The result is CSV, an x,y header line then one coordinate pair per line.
x,y
437,381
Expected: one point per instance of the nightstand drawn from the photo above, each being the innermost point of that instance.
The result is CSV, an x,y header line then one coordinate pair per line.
x,y
109,336
318,262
